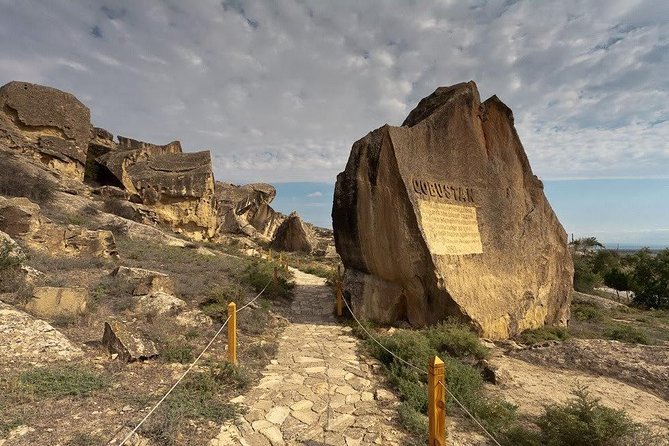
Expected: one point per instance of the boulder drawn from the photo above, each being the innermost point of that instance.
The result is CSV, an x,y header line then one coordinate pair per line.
x,y
144,280
48,124
246,210
160,303
19,217
26,339
294,235
444,217
50,302
178,187
127,343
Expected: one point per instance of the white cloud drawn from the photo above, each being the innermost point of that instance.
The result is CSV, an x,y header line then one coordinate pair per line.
x,y
280,91
315,194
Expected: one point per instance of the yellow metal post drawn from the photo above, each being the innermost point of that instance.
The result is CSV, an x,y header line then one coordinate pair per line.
x,y
436,401
340,298
270,255
232,333
280,257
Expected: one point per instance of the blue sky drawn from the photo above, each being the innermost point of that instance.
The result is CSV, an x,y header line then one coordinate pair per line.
x,y
279,90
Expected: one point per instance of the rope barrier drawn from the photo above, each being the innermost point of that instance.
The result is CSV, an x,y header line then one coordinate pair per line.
x,y
422,371
189,368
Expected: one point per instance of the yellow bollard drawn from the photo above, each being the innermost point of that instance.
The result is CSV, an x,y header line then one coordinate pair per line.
x,y
280,257
436,402
340,298
232,333
270,255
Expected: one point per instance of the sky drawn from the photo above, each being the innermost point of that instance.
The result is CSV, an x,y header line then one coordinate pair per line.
x,y
279,90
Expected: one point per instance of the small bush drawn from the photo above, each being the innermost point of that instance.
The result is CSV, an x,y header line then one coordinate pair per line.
x,y
59,382
198,397
16,181
626,333
457,339
177,352
542,334
585,312
582,421
260,274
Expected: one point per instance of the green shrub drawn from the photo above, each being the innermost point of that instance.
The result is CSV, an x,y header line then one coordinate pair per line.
x,y
626,333
542,334
177,352
61,381
457,339
260,274
582,421
9,257
586,312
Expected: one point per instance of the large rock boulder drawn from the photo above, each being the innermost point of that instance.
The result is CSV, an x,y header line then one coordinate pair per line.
x,y
443,217
246,210
178,187
294,235
47,124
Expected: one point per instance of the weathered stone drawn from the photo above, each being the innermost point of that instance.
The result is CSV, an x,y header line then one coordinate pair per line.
x,y
179,187
160,303
50,302
443,217
23,219
48,124
129,345
294,235
145,281
26,339
245,209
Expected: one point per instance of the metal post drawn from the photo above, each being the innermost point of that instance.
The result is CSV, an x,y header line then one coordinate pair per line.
x,y
232,333
436,402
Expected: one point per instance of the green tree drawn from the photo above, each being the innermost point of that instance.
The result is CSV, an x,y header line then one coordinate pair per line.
x,y
650,278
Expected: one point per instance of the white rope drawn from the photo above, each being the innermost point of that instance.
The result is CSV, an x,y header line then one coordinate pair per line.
x,y
420,370
189,368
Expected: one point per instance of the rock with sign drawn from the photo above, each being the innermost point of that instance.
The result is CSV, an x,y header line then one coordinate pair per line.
x,y
443,217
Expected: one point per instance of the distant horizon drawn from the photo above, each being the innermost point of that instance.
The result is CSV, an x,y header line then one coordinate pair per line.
x,y
626,214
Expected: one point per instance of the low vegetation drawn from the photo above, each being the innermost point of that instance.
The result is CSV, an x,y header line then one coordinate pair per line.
x,y
39,190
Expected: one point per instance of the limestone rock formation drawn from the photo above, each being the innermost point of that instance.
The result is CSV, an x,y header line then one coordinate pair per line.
x,y
245,209
47,124
294,235
22,219
128,344
145,281
178,187
443,217
49,302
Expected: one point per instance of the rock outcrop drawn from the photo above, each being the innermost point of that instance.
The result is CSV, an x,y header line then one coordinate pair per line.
x,y
22,219
178,187
48,125
443,217
294,235
245,209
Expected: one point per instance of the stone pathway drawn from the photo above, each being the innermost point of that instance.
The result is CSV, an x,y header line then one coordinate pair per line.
x,y
318,391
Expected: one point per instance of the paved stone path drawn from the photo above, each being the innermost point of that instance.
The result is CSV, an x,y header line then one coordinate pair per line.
x,y
319,391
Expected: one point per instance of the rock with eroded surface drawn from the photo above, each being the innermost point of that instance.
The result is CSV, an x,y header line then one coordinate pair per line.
x,y
245,209
127,343
178,187
47,124
50,302
443,217
294,235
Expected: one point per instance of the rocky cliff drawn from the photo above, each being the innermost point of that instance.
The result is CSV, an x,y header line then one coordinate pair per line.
x,y
444,217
